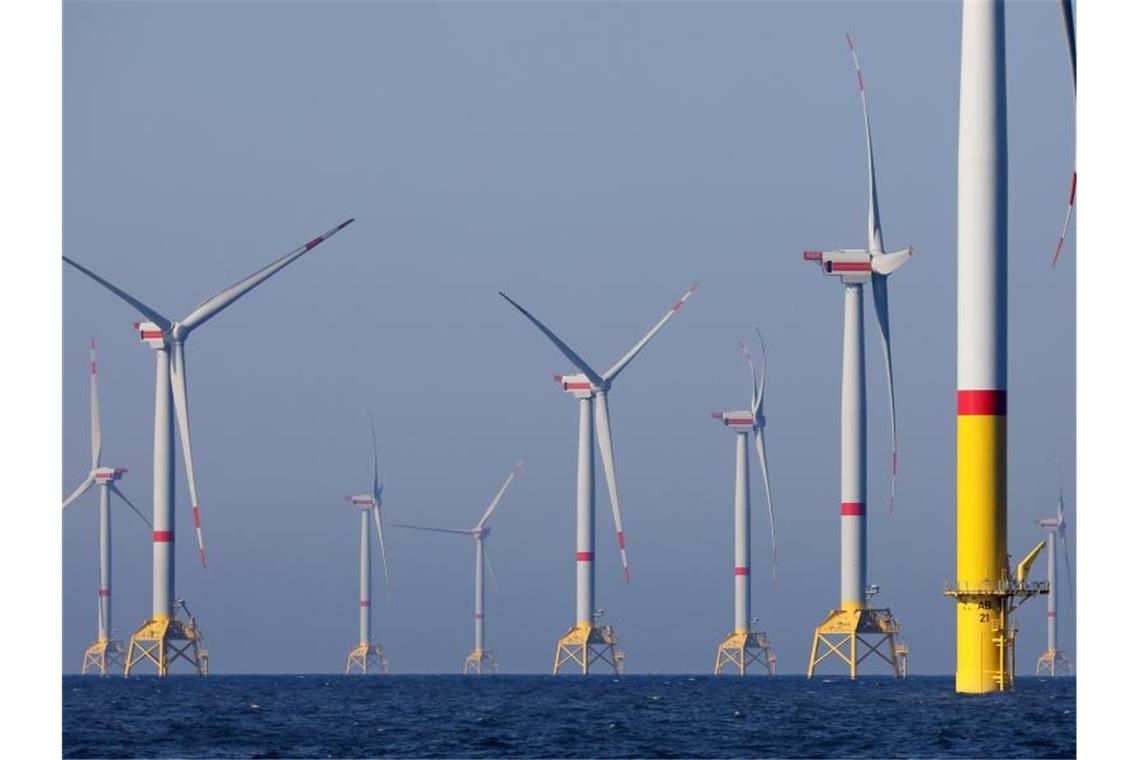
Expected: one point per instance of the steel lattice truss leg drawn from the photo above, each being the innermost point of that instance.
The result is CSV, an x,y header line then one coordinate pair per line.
x,y
103,656
583,645
843,631
1048,663
366,658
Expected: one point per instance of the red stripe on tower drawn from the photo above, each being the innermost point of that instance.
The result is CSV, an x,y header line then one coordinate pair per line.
x,y
365,603
163,536
104,592
585,556
852,509
478,616
743,571
1051,614
989,403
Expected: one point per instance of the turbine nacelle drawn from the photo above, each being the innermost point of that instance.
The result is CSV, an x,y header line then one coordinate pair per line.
x,y
363,501
855,266
108,474
740,421
481,532
579,385
151,334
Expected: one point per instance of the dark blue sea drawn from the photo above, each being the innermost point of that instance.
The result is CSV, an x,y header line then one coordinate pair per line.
x,y
543,716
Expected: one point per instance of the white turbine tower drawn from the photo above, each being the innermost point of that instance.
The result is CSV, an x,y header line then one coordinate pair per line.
x,y
367,653
844,628
1055,527
165,638
746,645
105,652
587,642
480,660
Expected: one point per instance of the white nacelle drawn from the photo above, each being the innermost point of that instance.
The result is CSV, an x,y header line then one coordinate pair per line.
x,y
579,385
850,265
363,501
736,420
151,334
109,474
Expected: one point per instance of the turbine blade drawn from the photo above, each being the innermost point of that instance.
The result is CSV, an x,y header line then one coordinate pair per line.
x,y
874,229
461,531
376,488
383,552
1068,567
221,300
115,490
1070,35
96,427
1068,219
879,290
752,376
568,352
605,443
613,371
138,305
82,489
763,457
491,571
763,372
502,489
181,411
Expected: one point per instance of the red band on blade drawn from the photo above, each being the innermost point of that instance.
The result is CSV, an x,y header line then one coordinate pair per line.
x,y
366,604
677,306
743,571
859,72
852,509
851,266
1051,614
197,518
163,536
585,556
104,592
990,403
314,242
1073,192
621,540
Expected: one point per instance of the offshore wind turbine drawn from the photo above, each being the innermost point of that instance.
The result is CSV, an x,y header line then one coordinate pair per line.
x,y
855,622
104,652
480,660
165,638
746,645
587,642
1055,527
368,653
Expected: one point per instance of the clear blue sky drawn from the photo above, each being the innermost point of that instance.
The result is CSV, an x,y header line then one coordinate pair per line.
x,y
592,161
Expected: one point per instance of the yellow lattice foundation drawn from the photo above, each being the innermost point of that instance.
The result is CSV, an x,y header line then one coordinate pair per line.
x,y
584,644
480,661
1048,663
365,658
103,656
164,642
843,631
743,648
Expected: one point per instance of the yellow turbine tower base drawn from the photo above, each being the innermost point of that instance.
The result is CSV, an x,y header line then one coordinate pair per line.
x,y
165,641
366,657
743,648
480,661
843,631
103,656
585,644
1048,663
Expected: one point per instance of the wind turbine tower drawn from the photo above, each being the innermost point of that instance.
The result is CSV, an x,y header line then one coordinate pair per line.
x,y
587,641
747,645
985,593
165,637
105,652
367,654
1055,528
855,622
480,660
